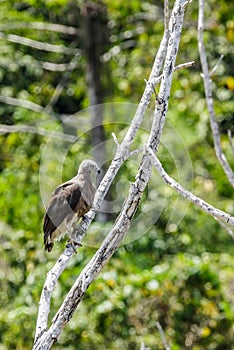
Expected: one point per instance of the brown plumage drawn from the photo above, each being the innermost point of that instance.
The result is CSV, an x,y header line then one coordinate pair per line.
x,y
69,202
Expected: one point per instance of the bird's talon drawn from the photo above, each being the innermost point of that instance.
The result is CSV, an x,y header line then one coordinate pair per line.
x,y
74,245
74,227
85,219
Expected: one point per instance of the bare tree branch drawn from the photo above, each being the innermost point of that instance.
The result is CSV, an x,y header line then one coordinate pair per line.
x,y
53,27
180,66
6,129
32,106
21,103
216,213
187,2
135,151
214,69
115,139
161,331
118,232
209,99
184,65
52,278
58,67
38,44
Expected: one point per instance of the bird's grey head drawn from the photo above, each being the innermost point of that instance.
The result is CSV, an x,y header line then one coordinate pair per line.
x,y
87,166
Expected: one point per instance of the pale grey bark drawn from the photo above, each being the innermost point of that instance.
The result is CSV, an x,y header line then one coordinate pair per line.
x,y
51,279
206,207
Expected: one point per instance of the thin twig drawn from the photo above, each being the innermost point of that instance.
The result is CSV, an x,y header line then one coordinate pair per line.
x,y
161,331
180,66
32,106
58,67
216,213
184,65
187,2
209,99
53,27
115,139
136,151
214,69
21,103
6,129
38,44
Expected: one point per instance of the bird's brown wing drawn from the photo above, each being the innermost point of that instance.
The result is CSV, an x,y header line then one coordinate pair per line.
x,y
63,202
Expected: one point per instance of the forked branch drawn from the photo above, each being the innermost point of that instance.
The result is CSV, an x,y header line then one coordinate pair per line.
x,y
216,213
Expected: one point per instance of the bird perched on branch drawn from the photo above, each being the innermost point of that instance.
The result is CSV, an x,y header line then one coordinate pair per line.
x,y
68,203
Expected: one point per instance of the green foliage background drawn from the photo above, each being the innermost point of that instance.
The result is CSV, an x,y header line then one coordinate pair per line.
x,y
180,274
